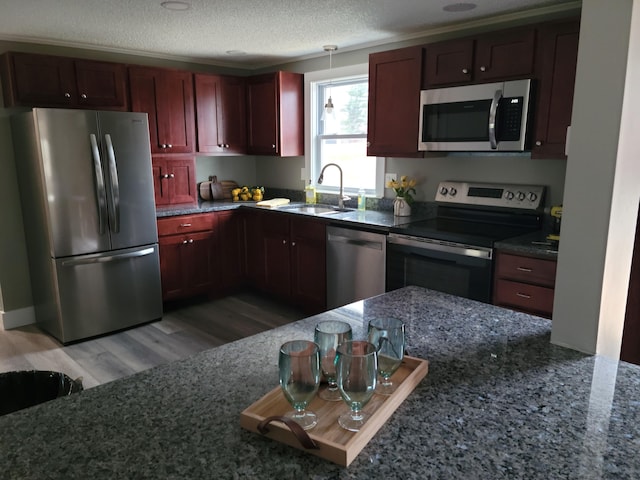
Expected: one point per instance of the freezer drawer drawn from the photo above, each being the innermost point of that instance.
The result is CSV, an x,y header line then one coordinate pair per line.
x,y
106,292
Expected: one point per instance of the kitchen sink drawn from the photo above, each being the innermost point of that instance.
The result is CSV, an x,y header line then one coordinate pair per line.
x,y
317,209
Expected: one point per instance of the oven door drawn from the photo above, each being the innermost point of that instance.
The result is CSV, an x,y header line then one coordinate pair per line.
x,y
462,270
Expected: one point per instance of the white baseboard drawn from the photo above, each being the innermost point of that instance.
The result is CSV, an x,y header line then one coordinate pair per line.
x,y
17,318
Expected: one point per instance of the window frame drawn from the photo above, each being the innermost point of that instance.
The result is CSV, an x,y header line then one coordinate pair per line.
x,y
311,105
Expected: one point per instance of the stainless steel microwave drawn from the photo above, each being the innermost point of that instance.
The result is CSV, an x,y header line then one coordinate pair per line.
x,y
476,118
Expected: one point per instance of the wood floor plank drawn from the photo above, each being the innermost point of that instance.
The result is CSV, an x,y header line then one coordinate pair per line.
x,y
185,329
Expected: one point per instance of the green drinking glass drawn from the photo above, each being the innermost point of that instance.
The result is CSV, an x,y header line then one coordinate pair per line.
x,y
387,334
329,335
299,367
356,368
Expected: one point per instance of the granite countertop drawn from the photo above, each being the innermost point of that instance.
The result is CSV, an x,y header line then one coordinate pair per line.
x,y
499,401
533,244
354,218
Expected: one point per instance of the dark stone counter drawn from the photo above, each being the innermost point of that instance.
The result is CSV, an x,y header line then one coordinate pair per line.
x,y
499,402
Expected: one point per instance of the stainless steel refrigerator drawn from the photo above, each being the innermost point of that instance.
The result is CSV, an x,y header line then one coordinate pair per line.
x,y
88,209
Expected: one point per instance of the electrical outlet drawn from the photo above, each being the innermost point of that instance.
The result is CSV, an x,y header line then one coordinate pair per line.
x,y
388,177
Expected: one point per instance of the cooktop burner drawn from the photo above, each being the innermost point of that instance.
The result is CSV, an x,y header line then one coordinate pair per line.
x,y
480,214
461,231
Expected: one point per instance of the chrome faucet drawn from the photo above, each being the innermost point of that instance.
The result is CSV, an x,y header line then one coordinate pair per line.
x,y
341,197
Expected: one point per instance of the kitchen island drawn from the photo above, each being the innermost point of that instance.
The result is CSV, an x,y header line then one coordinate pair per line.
x,y
499,401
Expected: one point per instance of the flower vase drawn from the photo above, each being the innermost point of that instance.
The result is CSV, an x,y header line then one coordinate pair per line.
x,y
401,207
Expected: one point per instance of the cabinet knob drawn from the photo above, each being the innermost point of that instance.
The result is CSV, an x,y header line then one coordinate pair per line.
x,y
538,143
220,145
368,144
67,95
483,68
284,242
273,146
184,242
169,145
166,175
465,70
293,244
84,96
191,240
172,175
226,145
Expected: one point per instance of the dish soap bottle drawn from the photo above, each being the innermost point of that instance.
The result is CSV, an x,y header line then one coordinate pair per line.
x,y
310,193
362,200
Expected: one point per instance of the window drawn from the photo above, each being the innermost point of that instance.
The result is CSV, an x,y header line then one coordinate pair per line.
x,y
340,137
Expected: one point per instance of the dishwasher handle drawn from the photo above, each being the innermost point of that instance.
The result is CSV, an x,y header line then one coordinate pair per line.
x,y
332,237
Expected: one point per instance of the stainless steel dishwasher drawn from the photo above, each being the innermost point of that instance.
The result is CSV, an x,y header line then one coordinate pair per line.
x,y
356,262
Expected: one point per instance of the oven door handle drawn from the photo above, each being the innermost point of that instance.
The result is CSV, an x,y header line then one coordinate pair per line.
x,y
440,246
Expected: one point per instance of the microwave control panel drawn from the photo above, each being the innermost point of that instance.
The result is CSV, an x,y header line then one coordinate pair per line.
x,y
526,197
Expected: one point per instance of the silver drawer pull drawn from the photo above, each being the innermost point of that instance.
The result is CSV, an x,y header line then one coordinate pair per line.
x,y
185,225
524,269
523,295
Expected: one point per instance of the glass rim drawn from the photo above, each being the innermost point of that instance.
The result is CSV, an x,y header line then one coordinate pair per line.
x,y
336,323
287,348
371,349
397,323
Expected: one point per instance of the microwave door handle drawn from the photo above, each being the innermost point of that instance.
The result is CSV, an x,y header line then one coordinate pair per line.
x,y
493,110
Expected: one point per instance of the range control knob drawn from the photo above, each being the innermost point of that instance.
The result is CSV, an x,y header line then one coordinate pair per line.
x,y
509,195
452,192
444,191
521,196
532,196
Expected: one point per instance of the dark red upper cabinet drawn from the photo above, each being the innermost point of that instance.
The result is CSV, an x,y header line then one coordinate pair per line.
x,y
33,80
275,122
167,97
221,114
394,102
556,64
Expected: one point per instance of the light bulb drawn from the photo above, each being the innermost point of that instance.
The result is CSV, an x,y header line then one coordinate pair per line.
x,y
329,106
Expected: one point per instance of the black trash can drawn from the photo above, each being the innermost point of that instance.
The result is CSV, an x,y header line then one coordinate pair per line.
x,y
24,389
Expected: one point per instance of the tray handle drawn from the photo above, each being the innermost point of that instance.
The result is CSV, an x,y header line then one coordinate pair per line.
x,y
303,437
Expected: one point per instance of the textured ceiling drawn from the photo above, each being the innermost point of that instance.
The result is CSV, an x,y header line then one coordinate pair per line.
x,y
267,31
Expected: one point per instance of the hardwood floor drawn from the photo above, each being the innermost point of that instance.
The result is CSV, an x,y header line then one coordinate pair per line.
x,y
186,328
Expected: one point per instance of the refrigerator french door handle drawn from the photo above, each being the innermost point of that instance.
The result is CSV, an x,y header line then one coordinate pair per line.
x,y
101,193
107,258
114,217
493,110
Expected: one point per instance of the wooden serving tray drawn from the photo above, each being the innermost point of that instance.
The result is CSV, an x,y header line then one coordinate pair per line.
x,y
335,443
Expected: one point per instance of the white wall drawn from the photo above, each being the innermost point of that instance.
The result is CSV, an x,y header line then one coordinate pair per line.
x,y
602,187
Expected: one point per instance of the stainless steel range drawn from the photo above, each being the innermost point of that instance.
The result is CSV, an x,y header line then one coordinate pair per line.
x,y
453,252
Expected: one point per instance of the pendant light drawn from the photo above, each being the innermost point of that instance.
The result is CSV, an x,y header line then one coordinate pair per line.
x,y
328,107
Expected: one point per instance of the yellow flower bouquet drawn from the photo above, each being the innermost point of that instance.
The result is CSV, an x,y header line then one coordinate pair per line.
x,y
404,188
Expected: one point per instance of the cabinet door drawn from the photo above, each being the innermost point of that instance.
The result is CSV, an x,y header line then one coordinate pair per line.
x,y
394,96
167,96
171,260
277,265
254,263
233,114
185,264
262,121
100,84
208,104
220,114
308,264
39,80
557,60
158,170
505,54
229,265
448,63
174,179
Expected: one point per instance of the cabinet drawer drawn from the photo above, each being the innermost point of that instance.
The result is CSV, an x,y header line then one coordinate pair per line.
x,y
186,224
531,298
526,269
